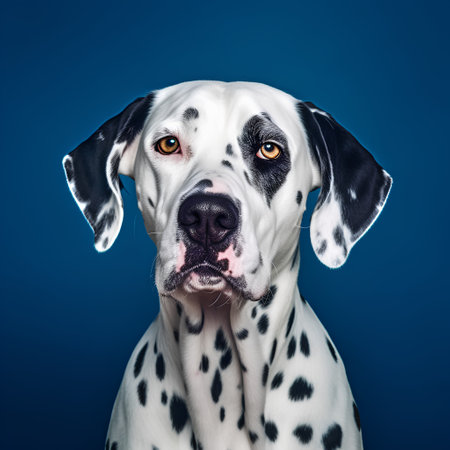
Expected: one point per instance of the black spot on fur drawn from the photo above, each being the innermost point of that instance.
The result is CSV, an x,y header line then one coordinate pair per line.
x,y
229,150
155,348
178,413
190,113
247,178
140,360
265,374
193,441
332,350
241,421
262,419
150,202
304,344
160,367
222,414
243,334
142,392
299,197
290,322
176,335
271,431
263,324
322,248
178,306
303,433
266,300
338,235
225,360
114,446
356,416
163,397
253,312
216,387
195,329
220,343
253,436
273,351
227,164
291,348
204,364
300,389
332,439
277,380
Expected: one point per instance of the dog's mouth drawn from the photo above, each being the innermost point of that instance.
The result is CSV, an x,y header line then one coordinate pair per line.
x,y
205,276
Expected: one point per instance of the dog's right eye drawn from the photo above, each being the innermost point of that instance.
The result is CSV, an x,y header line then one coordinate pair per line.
x,y
168,145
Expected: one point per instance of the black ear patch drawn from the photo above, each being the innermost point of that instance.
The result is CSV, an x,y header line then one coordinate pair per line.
x,y
354,186
92,170
267,175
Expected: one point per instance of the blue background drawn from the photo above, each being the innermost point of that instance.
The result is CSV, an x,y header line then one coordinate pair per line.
x,y
70,317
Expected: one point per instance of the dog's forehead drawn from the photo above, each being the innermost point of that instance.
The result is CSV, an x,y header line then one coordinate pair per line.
x,y
234,100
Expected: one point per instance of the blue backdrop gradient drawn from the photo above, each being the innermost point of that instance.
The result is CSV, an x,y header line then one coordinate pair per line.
x,y
70,317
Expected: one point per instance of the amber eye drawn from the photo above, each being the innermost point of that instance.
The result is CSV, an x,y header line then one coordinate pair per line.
x,y
269,150
168,145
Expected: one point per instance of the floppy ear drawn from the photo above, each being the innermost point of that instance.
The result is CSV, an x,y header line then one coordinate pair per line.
x,y
354,187
92,170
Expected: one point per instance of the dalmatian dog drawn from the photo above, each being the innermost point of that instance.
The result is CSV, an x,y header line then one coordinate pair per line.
x,y
236,358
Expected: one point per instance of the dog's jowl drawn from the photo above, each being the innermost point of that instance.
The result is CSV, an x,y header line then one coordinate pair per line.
x,y
236,359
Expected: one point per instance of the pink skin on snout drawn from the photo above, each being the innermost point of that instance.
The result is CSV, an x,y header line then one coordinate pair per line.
x,y
234,263
181,256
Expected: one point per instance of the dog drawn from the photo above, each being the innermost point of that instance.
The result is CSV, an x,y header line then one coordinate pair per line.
x,y
236,358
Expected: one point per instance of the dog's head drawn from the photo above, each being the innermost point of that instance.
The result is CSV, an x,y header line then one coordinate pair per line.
x,y
222,172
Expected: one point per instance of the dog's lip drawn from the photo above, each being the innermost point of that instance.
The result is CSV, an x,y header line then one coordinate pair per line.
x,y
204,265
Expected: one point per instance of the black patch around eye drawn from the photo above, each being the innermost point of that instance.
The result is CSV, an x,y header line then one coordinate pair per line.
x,y
227,164
190,113
269,175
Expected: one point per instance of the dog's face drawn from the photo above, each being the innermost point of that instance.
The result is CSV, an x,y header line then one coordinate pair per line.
x,y
222,173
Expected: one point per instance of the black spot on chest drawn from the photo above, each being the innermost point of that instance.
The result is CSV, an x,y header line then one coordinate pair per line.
x,y
225,360
277,380
216,387
243,334
291,348
267,299
220,343
273,351
160,367
300,389
332,439
332,350
204,364
140,360
303,433
142,392
268,175
195,328
290,322
263,323
271,431
178,413
304,344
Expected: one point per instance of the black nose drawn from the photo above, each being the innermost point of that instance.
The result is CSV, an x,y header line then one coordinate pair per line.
x,y
208,219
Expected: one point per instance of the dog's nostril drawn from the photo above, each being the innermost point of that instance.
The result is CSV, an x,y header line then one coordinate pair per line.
x,y
208,218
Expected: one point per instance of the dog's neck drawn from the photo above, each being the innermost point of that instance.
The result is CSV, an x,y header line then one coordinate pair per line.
x,y
204,331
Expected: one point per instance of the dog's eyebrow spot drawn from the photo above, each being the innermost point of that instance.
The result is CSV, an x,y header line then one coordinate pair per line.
x,y
229,150
227,164
190,113
203,184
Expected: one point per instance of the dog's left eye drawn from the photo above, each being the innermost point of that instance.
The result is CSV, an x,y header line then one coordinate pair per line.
x,y
269,150
167,145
